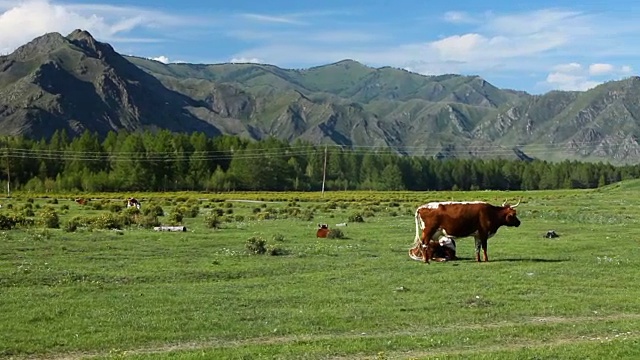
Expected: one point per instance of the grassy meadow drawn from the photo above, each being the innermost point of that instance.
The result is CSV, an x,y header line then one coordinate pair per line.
x,y
253,282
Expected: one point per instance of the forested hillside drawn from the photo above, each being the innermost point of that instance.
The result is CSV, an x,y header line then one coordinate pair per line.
x,y
164,161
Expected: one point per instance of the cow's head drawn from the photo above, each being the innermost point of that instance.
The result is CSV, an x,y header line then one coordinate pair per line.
x,y
510,215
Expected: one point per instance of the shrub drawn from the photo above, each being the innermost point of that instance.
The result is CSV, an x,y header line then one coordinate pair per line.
x,y
154,210
256,245
278,237
274,250
116,208
335,234
6,222
176,216
107,221
49,218
148,221
64,207
356,217
28,212
72,225
97,206
212,221
192,212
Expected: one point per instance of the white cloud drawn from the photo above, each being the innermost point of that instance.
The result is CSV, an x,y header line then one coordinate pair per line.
x,y
574,76
589,46
508,44
108,23
163,59
272,19
570,68
458,17
564,81
600,69
243,60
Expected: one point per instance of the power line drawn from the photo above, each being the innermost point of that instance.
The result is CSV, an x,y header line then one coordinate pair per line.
x,y
487,150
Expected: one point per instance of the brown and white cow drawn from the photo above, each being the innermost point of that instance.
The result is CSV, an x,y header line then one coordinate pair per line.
x,y
133,202
457,219
81,201
323,231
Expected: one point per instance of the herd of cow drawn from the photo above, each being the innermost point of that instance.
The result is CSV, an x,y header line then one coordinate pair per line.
x,y
438,225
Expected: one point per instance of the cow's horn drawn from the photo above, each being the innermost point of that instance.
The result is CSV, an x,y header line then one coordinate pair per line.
x,y
513,206
505,202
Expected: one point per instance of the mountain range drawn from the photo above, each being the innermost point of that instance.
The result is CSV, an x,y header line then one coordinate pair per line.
x,y
77,83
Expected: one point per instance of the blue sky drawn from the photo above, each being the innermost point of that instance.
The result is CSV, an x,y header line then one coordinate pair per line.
x,y
535,46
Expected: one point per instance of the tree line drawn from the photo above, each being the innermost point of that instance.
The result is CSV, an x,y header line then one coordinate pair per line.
x,y
165,161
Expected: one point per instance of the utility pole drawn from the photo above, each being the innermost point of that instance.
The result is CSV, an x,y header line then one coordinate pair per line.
x,y
8,174
324,169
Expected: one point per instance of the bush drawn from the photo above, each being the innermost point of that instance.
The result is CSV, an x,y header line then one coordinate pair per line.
x,y
49,218
256,245
155,210
274,250
107,221
356,217
192,212
212,221
148,221
6,222
72,225
335,234
176,216
115,207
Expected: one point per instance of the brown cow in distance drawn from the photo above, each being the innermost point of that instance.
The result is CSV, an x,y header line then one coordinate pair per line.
x,y
323,231
461,219
81,201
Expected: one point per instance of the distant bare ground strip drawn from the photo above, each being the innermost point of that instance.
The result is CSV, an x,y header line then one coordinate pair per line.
x,y
186,346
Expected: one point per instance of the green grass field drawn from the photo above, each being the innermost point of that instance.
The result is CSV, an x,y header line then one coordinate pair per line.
x,y
139,294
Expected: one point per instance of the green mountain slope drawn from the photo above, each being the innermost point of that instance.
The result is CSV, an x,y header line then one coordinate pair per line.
x,y
77,83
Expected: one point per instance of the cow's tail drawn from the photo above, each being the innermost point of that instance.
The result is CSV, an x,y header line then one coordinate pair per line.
x,y
415,252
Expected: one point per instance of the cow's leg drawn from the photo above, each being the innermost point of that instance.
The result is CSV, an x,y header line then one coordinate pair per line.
x,y
427,247
481,242
484,250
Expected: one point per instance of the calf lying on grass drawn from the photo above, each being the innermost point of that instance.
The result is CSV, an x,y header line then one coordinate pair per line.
x,y
442,248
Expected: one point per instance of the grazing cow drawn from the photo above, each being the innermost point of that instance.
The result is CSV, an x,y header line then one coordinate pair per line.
x,y
132,202
81,201
461,219
323,231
